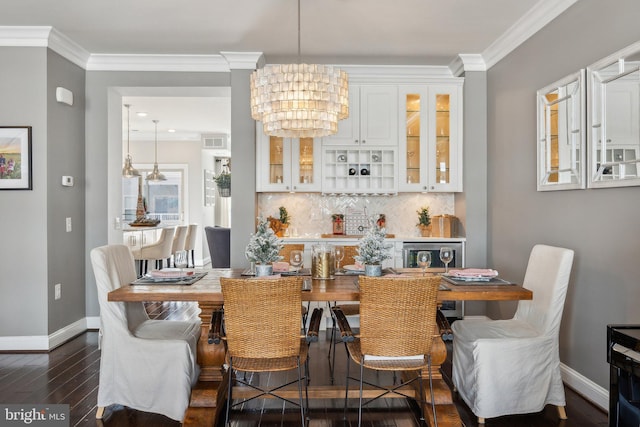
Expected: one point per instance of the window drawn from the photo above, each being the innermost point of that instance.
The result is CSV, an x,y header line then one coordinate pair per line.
x,y
163,200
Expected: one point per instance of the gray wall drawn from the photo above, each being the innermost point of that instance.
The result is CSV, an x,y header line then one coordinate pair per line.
x,y
243,167
65,156
23,219
471,205
600,225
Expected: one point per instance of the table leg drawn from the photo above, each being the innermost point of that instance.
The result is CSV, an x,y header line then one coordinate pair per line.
x,y
209,394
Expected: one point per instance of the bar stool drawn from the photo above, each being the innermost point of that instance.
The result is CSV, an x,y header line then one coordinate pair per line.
x,y
190,243
157,251
178,242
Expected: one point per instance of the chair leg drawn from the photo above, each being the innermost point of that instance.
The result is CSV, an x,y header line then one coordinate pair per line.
x,y
300,392
562,412
433,399
229,389
360,404
99,412
346,388
480,420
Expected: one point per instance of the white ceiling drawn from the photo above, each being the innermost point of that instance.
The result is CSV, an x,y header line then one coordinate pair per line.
x,y
408,32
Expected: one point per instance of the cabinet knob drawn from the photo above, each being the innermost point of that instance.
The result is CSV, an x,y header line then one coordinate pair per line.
x,y
424,188
364,141
287,187
356,141
295,187
433,187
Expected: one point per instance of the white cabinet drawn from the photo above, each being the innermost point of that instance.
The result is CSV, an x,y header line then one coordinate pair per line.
x,y
359,170
373,118
286,164
430,136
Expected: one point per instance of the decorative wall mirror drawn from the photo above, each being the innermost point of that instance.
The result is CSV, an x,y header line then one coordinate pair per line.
x,y
614,119
561,136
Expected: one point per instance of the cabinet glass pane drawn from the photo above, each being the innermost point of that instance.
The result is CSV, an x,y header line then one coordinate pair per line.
x,y
443,159
306,161
276,159
413,137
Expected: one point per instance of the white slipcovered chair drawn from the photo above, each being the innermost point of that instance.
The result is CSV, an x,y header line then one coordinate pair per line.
x,y
179,239
157,251
148,365
190,243
503,367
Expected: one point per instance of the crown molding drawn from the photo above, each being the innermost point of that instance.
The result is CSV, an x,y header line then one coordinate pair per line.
x,y
467,62
130,62
67,48
24,36
538,16
244,60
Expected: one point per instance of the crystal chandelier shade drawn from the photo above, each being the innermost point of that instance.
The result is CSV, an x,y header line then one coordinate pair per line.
x,y
299,100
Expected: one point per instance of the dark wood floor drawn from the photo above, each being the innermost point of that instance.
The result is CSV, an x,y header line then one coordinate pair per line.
x,y
69,374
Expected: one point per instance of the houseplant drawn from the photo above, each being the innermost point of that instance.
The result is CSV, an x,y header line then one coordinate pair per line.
x,y
424,221
263,248
284,220
223,181
372,250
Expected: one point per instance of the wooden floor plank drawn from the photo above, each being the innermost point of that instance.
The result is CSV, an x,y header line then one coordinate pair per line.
x,y
69,374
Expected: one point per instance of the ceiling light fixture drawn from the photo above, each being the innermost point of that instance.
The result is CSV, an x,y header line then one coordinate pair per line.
x,y
299,100
156,175
128,171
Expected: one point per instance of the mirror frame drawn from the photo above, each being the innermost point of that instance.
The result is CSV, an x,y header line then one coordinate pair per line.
x,y
575,134
596,111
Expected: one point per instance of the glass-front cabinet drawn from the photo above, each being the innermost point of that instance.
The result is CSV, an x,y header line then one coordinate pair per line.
x,y
287,164
430,138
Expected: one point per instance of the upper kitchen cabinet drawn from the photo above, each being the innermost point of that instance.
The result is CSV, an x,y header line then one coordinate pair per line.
x,y
430,149
373,117
286,164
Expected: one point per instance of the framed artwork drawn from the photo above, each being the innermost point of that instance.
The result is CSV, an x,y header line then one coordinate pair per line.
x,y
15,158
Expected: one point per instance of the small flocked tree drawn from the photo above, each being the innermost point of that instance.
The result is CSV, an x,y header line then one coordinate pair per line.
x,y
264,246
372,248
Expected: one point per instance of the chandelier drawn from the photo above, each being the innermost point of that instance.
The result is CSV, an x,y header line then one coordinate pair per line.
x,y
156,175
128,171
299,100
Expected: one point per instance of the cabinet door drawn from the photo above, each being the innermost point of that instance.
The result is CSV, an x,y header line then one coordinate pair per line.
x,y
349,128
379,115
445,138
372,117
305,164
273,159
412,158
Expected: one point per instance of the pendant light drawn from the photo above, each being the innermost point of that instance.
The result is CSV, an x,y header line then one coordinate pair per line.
x,y
156,175
128,171
299,100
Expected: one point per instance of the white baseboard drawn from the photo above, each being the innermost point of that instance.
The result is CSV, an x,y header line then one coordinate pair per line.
x,y
93,322
591,391
47,343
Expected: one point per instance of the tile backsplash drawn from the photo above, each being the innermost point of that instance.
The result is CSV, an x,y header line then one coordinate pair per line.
x,y
311,212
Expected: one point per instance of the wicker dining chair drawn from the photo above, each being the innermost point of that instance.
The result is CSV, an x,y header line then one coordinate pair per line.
x,y
348,309
262,333
285,253
397,326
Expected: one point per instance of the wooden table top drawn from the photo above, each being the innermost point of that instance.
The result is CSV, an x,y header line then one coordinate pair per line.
x,y
342,288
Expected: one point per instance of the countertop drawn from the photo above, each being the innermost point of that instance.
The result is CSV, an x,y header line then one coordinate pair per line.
x,y
396,238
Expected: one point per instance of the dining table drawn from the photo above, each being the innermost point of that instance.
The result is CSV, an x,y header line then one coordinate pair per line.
x,y
209,394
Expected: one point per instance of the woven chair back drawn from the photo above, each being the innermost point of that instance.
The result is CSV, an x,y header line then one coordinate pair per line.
x,y
398,315
349,255
285,252
262,316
